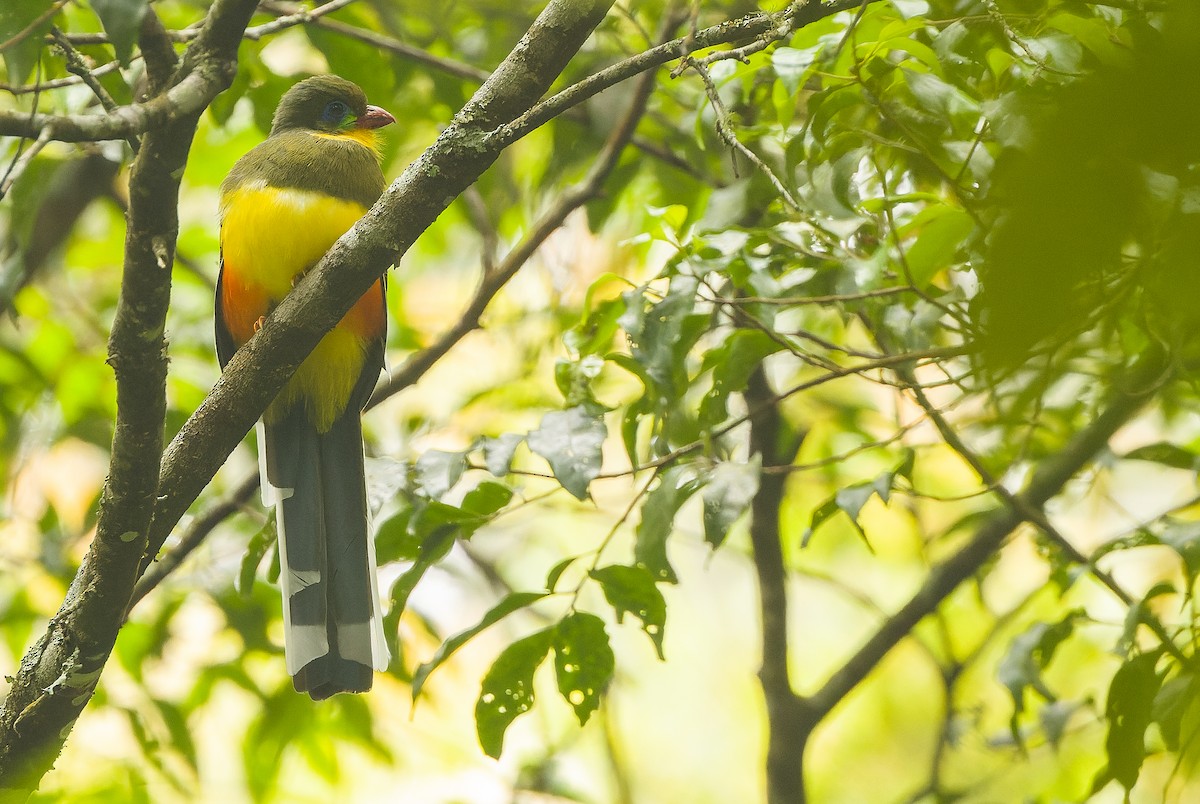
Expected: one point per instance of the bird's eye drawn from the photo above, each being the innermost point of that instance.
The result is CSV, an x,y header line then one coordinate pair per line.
x,y
335,112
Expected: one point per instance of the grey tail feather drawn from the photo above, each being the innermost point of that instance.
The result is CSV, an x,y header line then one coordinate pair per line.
x,y
332,624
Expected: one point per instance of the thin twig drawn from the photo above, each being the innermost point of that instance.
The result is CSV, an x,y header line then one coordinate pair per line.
x,y
726,132
1037,515
480,217
23,161
193,536
78,66
547,224
24,33
60,83
796,301
391,45
297,17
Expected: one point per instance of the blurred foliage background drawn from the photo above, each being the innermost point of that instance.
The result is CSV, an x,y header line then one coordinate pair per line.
x,y
933,235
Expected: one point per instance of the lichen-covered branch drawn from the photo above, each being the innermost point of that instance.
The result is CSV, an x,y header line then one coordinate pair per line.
x,y
407,208
59,673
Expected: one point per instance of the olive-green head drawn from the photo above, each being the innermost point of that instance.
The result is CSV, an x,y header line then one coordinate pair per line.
x,y
328,104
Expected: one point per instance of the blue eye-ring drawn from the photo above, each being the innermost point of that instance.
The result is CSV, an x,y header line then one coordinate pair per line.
x,y
335,112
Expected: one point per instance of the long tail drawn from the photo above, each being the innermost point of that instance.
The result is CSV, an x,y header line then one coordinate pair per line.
x,y
333,633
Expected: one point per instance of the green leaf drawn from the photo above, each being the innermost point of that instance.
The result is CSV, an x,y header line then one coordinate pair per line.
x,y
728,491
1171,704
658,516
1094,34
820,516
907,9
850,500
507,689
583,662
498,452
181,734
1130,704
732,364
790,64
121,20
511,603
432,550
1184,539
633,590
662,338
944,101
1133,617
570,441
487,498
574,378
256,549
886,482
1030,654
438,471
396,540
557,570
943,229
15,18
1165,453
594,335
1054,718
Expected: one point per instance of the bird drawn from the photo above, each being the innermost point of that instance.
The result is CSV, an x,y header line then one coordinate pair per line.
x,y
281,207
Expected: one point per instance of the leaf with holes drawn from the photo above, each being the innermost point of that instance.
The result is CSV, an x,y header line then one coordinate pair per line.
x,y
507,689
658,516
511,603
632,589
583,662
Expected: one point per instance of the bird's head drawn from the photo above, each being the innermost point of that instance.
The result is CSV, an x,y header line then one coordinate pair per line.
x,y
329,105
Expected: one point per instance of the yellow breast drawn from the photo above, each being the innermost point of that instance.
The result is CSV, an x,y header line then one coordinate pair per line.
x,y
269,235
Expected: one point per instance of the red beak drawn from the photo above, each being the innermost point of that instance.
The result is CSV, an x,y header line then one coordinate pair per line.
x,y
375,118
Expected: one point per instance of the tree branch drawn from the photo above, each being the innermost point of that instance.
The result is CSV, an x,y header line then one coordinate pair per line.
x,y
194,536
187,97
748,27
259,369
59,673
417,365
137,118
1047,481
786,717
571,200
386,43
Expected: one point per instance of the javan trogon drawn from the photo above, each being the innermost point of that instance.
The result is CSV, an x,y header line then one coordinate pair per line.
x,y
282,206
